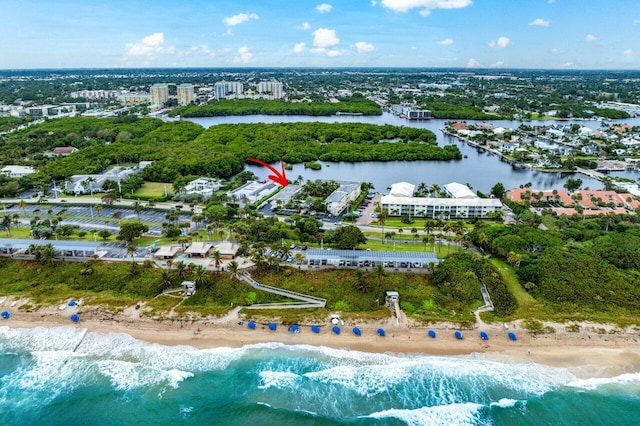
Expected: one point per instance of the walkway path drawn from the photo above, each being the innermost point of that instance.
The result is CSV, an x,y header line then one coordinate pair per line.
x,y
303,300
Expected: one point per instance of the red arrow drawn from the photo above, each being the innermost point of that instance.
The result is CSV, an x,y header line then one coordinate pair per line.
x,y
278,177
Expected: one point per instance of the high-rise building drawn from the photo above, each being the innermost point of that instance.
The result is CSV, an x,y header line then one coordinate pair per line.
x,y
225,88
185,94
221,90
159,93
272,87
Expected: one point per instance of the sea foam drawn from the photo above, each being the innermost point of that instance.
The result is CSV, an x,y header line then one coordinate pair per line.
x,y
593,383
278,379
441,415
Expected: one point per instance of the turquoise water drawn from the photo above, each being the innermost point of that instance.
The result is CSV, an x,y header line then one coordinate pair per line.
x,y
116,380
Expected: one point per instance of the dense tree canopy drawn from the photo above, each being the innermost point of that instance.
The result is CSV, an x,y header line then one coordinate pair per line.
x,y
355,104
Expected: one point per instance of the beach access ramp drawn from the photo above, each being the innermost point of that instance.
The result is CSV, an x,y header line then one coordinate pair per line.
x,y
300,300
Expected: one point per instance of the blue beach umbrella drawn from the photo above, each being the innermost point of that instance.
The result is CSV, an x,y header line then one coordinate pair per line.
x,y
432,334
512,336
5,315
458,335
294,328
484,335
357,331
72,303
75,318
336,329
251,325
272,326
381,332
315,329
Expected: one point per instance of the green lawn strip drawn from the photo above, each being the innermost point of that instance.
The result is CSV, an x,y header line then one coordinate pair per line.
x,y
155,189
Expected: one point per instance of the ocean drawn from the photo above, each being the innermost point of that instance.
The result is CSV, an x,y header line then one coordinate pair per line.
x,y
47,378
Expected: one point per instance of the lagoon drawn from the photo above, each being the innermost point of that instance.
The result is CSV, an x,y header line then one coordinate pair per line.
x,y
479,169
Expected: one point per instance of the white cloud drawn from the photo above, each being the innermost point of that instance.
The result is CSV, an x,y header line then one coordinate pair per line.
x,y
557,51
298,48
374,3
333,53
540,23
148,47
551,1
498,64
425,5
305,26
202,48
472,63
244,56
590,37
324,38
364,47
636,21
232,21
501,43
628,52
567,65
445,42
324,8
414,48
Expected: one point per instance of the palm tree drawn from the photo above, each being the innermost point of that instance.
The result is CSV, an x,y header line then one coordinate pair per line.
x,y
131,250
216,259
483,240
200,276
88,182
7,223
181,269
234,269
137,207
166,280
514,258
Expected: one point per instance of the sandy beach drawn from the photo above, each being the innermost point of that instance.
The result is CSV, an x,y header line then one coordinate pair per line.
x,y
596,350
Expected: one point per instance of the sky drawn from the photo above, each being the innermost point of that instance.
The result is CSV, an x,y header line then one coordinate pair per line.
x,y
538,34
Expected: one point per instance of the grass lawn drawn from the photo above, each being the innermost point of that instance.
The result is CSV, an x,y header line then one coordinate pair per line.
x,y
155,189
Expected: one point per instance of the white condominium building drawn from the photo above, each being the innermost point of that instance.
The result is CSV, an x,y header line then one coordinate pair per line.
x,y
185,94
159,93
464,204
271,87
225,88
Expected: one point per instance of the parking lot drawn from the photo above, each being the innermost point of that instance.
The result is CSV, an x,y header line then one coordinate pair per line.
x,y
88,218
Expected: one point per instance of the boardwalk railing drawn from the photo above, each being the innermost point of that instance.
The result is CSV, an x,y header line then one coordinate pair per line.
x,y
488,304
303,300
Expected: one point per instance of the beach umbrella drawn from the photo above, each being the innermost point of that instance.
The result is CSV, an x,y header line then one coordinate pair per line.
x,y
336,329
5,315
484,335
315,329
294,328
72,303
512,336
75,318
381,332
357,331
272,326
432,334
251,325
458,335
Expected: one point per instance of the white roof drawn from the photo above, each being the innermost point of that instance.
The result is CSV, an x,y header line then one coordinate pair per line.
x,y
167,251
426,201
227,248
458,190
198,248
22,170
402,189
